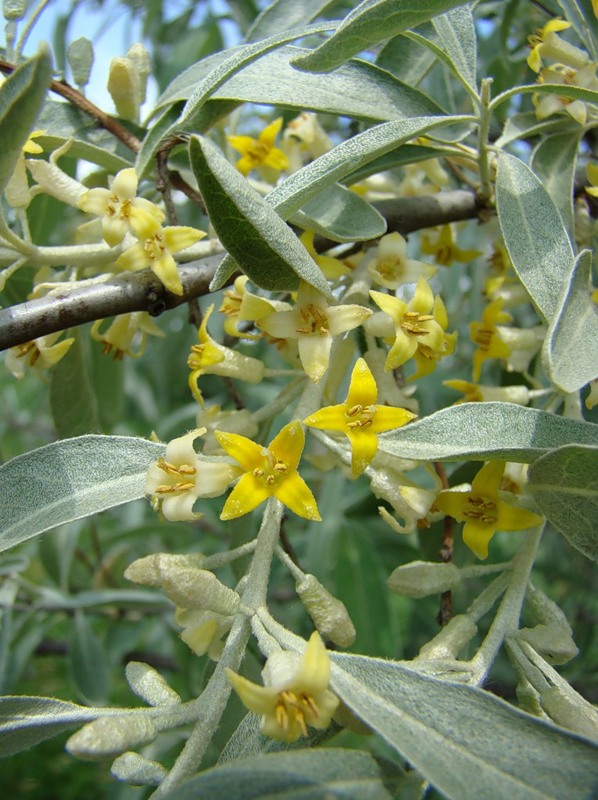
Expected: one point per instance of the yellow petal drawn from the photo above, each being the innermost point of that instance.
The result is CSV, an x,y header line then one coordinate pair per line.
x,y
288,445
362,389
166,269
246,495
259,699
487,480
313,674
329,418
364,444
180,237
387,418
477,535
249,454
294,493
513,518
270,132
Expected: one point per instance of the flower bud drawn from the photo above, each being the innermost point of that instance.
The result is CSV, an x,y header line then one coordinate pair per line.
x,y
111,736
422,578
148,570
329,615
553,643
567,708
451,639
138,771
13,10
149,685
192,588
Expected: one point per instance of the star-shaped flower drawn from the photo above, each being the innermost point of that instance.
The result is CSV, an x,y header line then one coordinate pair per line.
x,y
359,418
391,267
268,471
546,43
295,694
40,354
483,511
260,152
444,248
487,337
124,331
314,323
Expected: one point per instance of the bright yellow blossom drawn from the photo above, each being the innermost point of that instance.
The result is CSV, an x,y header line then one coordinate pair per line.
x,y
593,178
295,694
483,511
155,251
359,418
124,331
210,358
546,43
269,471
121,211
260,152
425,357
314,323
486,336
391,267
444,247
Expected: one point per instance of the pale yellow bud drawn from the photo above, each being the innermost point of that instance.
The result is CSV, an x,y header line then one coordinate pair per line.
x,y
329,615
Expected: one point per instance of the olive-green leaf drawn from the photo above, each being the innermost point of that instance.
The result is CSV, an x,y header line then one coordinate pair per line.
x,y
284,15
341,215
554,161
458,38
468,743
486,431
21,98
371,22
564,485
68,480
72,399
263,246
534,234
570,350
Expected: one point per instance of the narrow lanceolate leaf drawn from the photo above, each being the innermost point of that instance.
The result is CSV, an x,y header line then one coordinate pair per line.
x,y
466,742
486,431
304,185
341,215
68,480
534,234
263,246
564,485
554,162
570,350
458,38
21,98
306,774
371,22
27,721
284,15
72,399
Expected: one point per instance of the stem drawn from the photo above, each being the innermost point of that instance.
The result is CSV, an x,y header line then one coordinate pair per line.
x,y
29,27
506,620
485,190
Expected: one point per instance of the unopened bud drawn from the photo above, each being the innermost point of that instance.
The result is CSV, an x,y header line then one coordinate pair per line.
x,y
13,10
423,578
329,615
570,710
149,685
149,570
553,643
451,639
111,736
138,771
123,85
199,589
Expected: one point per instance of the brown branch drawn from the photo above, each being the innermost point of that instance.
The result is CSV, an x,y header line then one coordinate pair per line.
x,y
445,613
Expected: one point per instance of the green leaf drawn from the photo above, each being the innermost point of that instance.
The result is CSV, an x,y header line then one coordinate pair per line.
x,y
408,60
534,234
564,485
371,22
284,15
21,98
526,126
304,185
486,432
70,479
570,350
88,661
341,215
72,400
27,721
154,139
554,162
458,38
466,742
301,774
357,89
263,246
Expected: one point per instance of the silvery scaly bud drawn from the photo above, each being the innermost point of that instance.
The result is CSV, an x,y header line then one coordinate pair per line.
x,y
552,637
149,685
451,639
148,570
111,736
14,10
423,578
138,771
329,615
197,588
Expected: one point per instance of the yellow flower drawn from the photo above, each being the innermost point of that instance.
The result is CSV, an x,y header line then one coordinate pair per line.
x,y
210,358
546,43
476,393
295,694
155,251
425,357
548,104
332,268
483,511
486,336
174,482
391,267
269,471
314,323
203,630
444,248
414,325
303,140
124,331
17,190
593,178
359,418
241,305
120,210
40,354
260,152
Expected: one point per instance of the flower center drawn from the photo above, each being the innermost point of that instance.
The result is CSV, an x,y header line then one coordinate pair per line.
x,y
359,416
292,711
257,152
481,508
118,208
483,338
411,323
391,269
155,246
179,474
25,349
203,355
316,321
272,470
